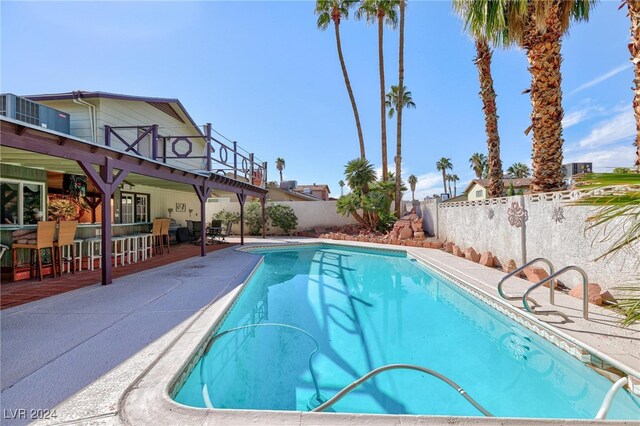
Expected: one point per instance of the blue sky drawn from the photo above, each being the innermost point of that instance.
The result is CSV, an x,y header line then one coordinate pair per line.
x,y
264,75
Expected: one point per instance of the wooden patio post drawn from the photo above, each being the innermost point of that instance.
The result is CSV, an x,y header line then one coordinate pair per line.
x,y
263,201
203,194
241,200
107,184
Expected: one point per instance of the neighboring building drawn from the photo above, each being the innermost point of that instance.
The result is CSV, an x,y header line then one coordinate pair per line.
x,y
283,193
319,191
573,170
478,188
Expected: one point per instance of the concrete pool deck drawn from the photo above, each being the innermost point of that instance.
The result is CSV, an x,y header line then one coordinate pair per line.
x,y
106,354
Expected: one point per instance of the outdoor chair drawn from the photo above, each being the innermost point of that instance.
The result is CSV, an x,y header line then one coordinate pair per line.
x,y
197,231
164,233
215,231
190,232
44,240
66,244
156,236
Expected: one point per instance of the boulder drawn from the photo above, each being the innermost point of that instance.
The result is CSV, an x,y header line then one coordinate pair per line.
x,y
418,235
608,297
406,233
448,247
535,275
510,266
486,259
472,255
457,251
593,293
416,225
436,244
496,262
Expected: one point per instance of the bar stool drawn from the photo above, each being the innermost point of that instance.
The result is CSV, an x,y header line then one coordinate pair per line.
x,y
131,249
94,251
44,240
164,233
119,248
145,246
77,243
156,236
66,237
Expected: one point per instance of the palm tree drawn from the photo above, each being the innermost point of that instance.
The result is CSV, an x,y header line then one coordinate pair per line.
x,y
400,105
413,180
384,11
443,164
449,180
455,179
360,175
537,27
477,162
341,183
392,100
280,166
334,10
488,96
634,48
519,170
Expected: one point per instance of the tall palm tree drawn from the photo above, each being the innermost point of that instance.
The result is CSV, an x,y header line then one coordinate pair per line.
x,y
477,162
488,96
634,49
413,180
335,10
443,164
280,166
538,27
400,105
449,180
384,11
341,183
519,170
393,96
455,179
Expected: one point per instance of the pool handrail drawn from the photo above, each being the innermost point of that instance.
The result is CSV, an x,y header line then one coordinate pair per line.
x,y
520,269
608,398
551,277
347,389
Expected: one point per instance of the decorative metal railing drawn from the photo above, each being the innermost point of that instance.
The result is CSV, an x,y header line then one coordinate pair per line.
x,y
217,157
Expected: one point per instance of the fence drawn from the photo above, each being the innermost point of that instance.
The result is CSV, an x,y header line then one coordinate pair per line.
x,y
537,225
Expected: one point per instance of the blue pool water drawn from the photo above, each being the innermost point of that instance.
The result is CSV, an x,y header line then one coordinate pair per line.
x,y
367,309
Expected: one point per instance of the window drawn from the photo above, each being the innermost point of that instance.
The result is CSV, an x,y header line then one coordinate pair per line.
x,y
22,202
479,193
134,207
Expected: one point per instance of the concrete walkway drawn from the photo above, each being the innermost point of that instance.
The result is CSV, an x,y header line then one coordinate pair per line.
x,y
53,348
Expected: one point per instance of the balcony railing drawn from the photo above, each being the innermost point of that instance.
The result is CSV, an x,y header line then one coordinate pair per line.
x,y
217,157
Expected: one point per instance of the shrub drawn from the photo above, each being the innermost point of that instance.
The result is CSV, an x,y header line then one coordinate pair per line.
x,y
253,217
283,217
227,217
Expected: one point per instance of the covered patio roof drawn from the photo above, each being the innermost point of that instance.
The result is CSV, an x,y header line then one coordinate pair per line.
x,y
107,167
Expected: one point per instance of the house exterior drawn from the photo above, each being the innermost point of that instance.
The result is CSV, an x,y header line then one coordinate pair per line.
x,y
319,191
129,159
282,194
478,188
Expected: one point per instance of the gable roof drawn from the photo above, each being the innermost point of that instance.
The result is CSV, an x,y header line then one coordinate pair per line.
x,y
517,183
163,104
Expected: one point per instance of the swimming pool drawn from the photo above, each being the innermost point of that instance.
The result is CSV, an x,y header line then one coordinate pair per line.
x,y
363,309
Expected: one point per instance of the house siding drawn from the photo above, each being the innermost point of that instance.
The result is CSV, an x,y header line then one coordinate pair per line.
x,y
471,196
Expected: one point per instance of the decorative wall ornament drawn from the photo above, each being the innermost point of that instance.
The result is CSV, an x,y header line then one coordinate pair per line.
x,y
181,207
517,215
491,214
558,214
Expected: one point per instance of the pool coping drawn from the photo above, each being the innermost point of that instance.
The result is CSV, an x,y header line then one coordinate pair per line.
x,y
150,395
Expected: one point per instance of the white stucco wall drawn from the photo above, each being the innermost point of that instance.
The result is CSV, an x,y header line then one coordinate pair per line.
x,y
311,214
561,238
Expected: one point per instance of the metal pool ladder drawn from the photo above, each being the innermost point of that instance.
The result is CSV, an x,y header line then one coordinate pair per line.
x,y
552,275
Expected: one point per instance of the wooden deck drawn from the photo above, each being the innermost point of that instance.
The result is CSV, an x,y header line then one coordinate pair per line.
x,y
21,292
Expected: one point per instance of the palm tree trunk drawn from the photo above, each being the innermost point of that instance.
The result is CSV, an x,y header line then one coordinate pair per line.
x,y
455,189
399,112
488,96
413,195
383,108
348,84
634,48
544,56
444,181
450,192
280,175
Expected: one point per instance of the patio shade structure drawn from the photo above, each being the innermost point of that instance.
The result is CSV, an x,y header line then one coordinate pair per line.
x,y
225,168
